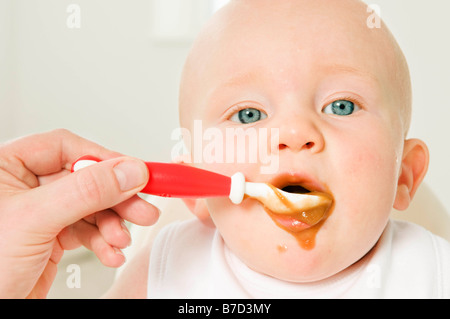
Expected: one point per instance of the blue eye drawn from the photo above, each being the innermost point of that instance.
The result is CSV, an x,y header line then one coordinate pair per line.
x,y
341,107
247,116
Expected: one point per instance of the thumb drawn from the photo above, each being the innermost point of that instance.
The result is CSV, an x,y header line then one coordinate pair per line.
x,y
75,196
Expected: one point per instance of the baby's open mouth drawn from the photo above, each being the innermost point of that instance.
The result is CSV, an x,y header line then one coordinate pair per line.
x,y
297,189
295,206
297,203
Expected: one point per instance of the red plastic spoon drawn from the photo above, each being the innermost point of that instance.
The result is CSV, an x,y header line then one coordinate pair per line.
x,y
181,181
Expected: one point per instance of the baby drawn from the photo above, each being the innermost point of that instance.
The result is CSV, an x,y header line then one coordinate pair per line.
x,y
338,92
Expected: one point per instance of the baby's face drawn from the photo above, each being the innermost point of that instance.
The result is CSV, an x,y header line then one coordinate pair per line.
x,y
320,77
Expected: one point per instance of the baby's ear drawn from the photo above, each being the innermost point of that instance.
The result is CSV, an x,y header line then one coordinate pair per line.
x,y
414,167
196,206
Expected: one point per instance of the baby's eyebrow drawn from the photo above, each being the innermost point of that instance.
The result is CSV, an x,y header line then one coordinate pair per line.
x,y
342,68
244,78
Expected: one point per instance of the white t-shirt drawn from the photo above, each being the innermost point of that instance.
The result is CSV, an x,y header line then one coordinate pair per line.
x,y
190,260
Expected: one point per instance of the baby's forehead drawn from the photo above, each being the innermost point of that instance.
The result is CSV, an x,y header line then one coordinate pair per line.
x,y
250,37
246,31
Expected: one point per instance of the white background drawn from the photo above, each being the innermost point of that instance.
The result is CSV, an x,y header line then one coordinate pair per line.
x,y
115,79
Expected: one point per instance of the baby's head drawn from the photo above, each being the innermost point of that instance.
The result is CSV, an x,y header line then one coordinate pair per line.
x,y
338,94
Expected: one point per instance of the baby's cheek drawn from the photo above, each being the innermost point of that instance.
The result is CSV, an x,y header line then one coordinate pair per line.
x,y
368,186
368,160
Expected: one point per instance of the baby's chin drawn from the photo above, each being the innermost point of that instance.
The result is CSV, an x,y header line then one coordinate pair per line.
x,y
260,243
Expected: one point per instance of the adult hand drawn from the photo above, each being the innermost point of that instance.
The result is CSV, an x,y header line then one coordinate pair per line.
x,y
44,209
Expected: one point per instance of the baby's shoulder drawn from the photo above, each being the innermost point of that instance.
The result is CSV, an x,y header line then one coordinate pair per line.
x,y
184,232
181,240
178,258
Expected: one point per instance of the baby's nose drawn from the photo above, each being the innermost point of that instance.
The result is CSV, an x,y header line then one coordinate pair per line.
x,y
300,134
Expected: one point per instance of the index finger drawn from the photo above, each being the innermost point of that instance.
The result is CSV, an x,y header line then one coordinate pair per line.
x,y
50,152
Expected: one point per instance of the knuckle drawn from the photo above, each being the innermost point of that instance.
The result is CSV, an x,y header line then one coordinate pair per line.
x,y
90,189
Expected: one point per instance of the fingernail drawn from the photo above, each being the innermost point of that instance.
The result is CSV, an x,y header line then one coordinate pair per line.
x,y
126,231
130,174
119,252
